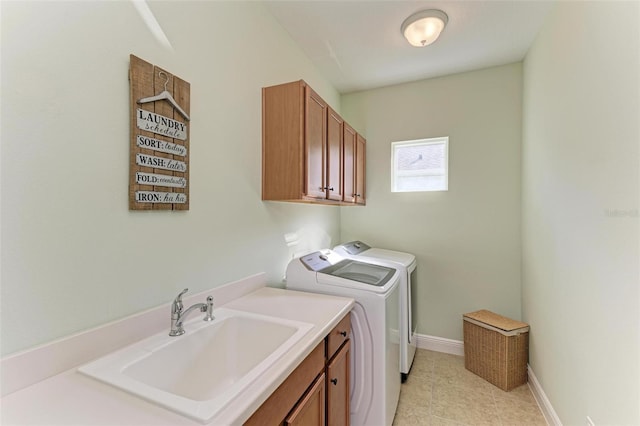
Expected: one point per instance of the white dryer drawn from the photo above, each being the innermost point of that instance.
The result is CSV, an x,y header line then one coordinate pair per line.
x,y
375,351
407,266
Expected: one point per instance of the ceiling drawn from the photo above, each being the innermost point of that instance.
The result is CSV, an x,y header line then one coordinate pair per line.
x,y
357,44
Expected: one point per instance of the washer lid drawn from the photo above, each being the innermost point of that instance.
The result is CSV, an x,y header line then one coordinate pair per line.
x,y
362,272
402,258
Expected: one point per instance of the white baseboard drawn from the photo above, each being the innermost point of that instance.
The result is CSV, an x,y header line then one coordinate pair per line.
x,y
543,402
440,344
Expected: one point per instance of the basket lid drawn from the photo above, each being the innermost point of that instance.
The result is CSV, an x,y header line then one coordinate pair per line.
x,y
498,321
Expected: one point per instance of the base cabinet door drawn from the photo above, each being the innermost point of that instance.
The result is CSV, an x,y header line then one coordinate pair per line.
x,y
338,387
288,398
310,411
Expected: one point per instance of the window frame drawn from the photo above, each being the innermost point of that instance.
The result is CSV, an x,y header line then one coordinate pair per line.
x,y
420,142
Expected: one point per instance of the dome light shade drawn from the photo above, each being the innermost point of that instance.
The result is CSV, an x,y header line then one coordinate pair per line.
x,y
424,27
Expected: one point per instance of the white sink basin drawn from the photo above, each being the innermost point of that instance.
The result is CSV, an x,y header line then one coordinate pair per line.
x,y
199,373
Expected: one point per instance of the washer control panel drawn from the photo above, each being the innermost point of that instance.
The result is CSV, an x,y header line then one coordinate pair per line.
x,y
320,260
355,247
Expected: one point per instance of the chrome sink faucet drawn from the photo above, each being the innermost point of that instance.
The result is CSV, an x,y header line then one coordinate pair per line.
x,y
178,315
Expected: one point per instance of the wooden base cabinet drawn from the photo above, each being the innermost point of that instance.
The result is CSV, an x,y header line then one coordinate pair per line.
x,y
303,148
338,387
337,372
290,394
317,392
311,409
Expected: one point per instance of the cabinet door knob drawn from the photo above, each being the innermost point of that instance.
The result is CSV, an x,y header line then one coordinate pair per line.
x,y
326,187
343,333
334,381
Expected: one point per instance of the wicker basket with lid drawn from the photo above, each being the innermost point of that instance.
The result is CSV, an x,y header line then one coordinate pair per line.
x,y
496,348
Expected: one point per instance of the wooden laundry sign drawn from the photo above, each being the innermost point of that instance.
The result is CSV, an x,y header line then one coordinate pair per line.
x,y
160,197
157,123
159,142
159,145
160,163
160,180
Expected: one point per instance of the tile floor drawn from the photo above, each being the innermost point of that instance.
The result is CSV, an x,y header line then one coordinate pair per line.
x,y
440,391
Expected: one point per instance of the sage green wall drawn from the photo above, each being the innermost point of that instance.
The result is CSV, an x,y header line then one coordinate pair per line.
x,y
580,191
73,255
467,239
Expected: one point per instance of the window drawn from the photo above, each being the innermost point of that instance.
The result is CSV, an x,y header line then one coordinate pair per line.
x,y
420,165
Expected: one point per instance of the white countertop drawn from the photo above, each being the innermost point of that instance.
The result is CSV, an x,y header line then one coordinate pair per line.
x,y
71,398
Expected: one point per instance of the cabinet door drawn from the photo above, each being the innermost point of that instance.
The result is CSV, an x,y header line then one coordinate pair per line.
x,y
338,387
349,157
315,129
310,410
280,404
361,148
334,155
283,141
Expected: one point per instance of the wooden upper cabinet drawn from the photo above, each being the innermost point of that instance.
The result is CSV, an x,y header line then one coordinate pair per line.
x,y
355,148
361,150
349,155
283,171
303,154
315,132
334,155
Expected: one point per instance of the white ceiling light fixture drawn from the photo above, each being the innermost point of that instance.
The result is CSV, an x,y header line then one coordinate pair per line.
x,y
424,27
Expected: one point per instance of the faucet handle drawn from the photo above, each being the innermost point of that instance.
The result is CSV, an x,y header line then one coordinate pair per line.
x,y
209,309
177,303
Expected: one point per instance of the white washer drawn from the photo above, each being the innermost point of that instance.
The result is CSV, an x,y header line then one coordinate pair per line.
x,y
407,265
375,350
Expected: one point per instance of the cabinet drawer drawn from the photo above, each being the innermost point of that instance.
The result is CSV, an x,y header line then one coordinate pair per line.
x,y
338,335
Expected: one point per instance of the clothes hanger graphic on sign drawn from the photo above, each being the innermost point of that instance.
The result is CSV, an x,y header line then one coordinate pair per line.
x,y
165,95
